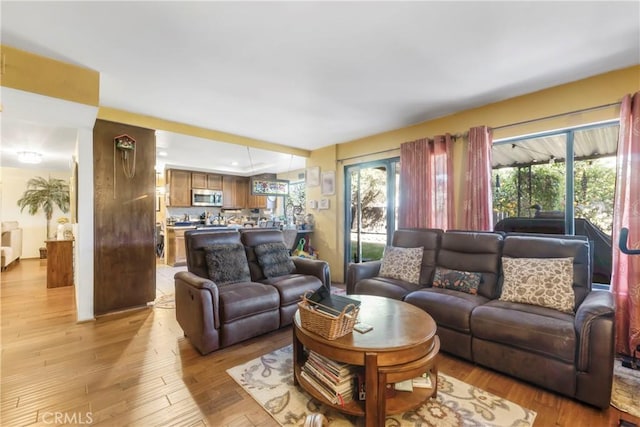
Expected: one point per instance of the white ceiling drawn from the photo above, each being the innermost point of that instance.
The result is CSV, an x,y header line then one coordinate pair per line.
x,y
312,74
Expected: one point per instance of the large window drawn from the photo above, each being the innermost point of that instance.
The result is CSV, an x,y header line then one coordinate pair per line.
x,y
560,182
536,175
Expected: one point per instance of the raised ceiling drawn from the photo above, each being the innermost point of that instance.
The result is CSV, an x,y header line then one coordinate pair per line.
x,y
313,74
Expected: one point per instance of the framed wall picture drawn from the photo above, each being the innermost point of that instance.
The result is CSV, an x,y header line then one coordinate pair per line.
x,y
328,184
313,176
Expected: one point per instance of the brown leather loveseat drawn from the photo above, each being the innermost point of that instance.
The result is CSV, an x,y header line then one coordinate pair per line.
x,y
240,284
566,350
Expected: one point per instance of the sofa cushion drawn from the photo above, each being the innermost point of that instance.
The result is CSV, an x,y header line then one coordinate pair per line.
x,y
384,287
547,282
247,299
291,287
532,328
274,259
450,309
475,251
227,263
402,263
463,281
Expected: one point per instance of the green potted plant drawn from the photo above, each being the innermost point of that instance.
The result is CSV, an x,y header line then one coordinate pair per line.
x,y
45,194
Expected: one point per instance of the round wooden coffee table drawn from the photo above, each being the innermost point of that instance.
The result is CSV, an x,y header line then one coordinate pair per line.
x,y
402,345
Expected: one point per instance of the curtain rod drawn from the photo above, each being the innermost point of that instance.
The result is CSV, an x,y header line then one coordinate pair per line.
x,y
465,134
599,107
369,154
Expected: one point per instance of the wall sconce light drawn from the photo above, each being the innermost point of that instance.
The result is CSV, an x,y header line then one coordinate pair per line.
x,y
30,157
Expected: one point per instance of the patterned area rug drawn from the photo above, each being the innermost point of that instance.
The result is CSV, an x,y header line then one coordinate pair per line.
x,y
625,393
269,380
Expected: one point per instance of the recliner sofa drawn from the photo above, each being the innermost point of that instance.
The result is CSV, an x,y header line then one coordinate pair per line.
x,y
571,353
225,297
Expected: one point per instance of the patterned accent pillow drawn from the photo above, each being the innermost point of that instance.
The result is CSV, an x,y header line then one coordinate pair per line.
x,y
547,282
227,264
402,263
463,281
274,258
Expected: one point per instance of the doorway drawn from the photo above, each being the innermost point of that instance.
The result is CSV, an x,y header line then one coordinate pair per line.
x,y
371,202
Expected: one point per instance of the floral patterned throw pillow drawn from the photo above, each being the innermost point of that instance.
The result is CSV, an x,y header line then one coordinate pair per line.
x,y
463,281
402,264
547,282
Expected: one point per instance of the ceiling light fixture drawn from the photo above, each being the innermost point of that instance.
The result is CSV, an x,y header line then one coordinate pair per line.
x,y
30,157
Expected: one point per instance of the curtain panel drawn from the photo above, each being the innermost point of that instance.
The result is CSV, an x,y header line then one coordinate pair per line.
x,y
478,200
426,184
625,275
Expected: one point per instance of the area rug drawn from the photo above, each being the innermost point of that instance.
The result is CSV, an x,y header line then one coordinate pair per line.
x,y
625,393
165,301
269,380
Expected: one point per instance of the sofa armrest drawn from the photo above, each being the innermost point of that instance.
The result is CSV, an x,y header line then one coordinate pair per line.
x,y
314,267
597,307
196,293
359,271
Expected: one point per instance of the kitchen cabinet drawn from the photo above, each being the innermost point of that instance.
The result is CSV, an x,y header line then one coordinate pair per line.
x,y
179,187
59,263
234,192
209,181
175,247
256,202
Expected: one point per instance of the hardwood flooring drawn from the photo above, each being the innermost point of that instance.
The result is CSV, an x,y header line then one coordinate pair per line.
x,y
136,368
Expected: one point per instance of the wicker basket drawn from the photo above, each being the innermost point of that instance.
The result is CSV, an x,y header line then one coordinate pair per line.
x,y
326,325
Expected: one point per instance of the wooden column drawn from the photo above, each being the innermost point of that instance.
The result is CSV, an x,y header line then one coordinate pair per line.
x,y
124,230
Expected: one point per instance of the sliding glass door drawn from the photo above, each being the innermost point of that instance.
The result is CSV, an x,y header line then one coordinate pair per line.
x,y
370,209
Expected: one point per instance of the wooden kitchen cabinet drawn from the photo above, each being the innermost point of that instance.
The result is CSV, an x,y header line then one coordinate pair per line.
x,y
209,181
234,192
175,247
59,263
179,190
256,202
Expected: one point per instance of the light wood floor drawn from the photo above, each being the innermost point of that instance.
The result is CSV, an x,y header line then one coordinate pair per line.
x,y
136,368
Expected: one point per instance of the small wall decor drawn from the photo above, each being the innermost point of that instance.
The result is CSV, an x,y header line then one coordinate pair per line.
x,y
313,176
269,186
328,185
126,144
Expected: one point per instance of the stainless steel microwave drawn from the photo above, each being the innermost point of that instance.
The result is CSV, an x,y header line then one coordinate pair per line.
x,y
201,197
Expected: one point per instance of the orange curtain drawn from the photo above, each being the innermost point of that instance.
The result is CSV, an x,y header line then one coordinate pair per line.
x,y
426,184
625,275
478,201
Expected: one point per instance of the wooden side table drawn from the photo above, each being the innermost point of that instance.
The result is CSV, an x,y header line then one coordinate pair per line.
x,y
59,263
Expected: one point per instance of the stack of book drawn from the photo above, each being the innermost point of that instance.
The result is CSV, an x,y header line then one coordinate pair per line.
x,y
334,380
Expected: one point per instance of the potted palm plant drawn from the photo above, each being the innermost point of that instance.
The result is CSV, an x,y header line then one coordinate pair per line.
x,y
45,194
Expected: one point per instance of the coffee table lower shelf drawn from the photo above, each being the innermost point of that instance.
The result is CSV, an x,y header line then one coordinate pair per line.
x,y
402,401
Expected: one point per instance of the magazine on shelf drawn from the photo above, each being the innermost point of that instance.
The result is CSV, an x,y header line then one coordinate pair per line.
x,y
336,368
335,388
326,374
337,398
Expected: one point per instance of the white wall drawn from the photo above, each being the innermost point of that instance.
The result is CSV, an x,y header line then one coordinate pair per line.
x,y
14,184
84,228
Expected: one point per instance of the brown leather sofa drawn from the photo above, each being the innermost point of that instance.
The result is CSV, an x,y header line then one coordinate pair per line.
x,y
569,353
216,315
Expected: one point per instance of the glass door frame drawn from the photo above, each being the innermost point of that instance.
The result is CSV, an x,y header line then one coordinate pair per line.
x,y
390,165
